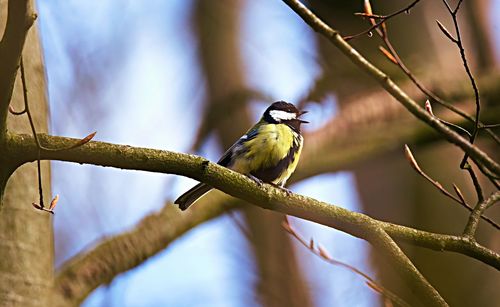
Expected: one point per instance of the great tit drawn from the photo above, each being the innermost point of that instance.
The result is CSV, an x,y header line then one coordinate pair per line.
x,y
268,152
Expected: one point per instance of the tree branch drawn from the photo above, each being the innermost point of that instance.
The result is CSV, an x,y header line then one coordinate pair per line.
x,y
334,37
19,19
87,271
473,222
268,197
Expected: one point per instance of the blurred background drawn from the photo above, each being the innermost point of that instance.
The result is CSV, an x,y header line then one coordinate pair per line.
x,y
193,76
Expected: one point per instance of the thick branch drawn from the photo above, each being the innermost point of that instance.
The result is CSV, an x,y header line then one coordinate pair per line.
x,y
127,157
20,18
22,148
333,35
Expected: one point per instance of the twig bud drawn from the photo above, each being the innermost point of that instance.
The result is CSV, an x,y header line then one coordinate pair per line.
x,y
388,55
84,141
446,32
428,107
459,193
53,203
409,156
323,253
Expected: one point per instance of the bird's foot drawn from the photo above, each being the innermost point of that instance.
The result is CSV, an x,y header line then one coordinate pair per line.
x,y
257,180
287,191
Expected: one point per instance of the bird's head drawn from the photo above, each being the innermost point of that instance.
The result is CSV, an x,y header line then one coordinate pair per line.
x,y
282,112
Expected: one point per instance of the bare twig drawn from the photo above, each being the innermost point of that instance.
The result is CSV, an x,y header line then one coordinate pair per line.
x,y
457,128
26,110
14,112
323,254
335,38
475,182
460,199
33,130
381,18
458,42
393,56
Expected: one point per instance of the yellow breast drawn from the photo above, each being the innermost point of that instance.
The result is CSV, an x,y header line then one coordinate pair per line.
x,y
270,147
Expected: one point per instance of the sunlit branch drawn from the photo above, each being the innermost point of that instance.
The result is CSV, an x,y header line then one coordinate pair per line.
x,y
268,197
334,37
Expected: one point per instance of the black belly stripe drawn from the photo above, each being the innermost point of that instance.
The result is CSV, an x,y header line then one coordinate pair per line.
x,y
271,173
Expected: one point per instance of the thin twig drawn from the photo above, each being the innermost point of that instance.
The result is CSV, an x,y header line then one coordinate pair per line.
x,y
460,200
458,42
32,125
381,20
26,110
491,126
33,130
491,177
324,255
475,182
14,112
392,55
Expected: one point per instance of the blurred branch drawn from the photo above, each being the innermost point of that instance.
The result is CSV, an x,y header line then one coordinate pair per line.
x,y
334,37
353,139
266,196
87,271
319,251
19,19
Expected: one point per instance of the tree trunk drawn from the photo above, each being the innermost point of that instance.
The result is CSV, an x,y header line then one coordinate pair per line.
x,y
26,239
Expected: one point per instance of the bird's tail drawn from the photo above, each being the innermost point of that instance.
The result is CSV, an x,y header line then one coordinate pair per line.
x,y
188,198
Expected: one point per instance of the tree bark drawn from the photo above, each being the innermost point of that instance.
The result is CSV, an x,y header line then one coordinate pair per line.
x,y
26,239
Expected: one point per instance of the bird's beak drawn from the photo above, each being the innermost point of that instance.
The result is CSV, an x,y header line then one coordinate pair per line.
x,y
300,114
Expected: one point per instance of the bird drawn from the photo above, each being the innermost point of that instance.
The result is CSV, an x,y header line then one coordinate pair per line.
x,y
267,153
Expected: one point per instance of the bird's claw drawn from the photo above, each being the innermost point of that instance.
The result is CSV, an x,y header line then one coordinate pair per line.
x,y
287,191
257,180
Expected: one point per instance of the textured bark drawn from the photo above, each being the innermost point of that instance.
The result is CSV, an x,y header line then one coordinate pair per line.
x,y
280,280
26,240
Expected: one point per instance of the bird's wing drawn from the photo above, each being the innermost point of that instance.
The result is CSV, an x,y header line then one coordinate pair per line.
x,y
226,157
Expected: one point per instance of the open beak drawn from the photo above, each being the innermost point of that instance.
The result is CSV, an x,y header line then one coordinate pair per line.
x,y
302,113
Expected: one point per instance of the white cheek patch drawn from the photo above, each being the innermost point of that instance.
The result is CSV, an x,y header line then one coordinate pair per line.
x,y
282,115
